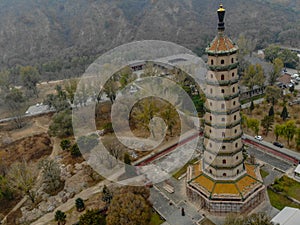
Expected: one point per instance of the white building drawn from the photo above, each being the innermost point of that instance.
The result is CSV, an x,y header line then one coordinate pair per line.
x,y
287,216
297,172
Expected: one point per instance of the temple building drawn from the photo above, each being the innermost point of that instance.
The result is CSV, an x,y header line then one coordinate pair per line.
x,y
222,182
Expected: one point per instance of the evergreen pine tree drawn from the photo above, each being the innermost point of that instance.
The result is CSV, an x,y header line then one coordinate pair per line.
x,y
60,217
79,204
251,106
65,144
271,111
284,114
106,195
127,159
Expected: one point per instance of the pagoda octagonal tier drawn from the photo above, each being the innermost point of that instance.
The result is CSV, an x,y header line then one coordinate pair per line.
x,y
222,182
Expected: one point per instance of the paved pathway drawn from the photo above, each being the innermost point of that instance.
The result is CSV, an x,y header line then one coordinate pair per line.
x,y
273,174
169,205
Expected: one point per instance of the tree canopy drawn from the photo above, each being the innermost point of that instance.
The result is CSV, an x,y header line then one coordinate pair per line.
x,y
267,123
254,219
130,209
21,178
253,75
30,77
289,130
272,94
289,58
51,175
61,125
276,71
92,217
16,103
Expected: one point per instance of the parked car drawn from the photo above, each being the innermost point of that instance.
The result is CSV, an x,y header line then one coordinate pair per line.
x,y
294,102
281,85
259,138
294,81
278,144
295,75
298,79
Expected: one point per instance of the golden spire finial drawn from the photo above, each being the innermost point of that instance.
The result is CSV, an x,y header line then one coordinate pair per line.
x,y
221,9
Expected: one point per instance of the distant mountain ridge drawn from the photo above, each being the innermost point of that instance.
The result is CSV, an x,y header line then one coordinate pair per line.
x,y
39,31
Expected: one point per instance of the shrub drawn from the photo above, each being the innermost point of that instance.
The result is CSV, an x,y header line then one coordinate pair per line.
x,y
61,125
108,128
51,176
278,187
60,217
65,144
79,204
92,217
75,151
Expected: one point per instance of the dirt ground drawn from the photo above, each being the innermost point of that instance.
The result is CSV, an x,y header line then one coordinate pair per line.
x,y
34,126
30,142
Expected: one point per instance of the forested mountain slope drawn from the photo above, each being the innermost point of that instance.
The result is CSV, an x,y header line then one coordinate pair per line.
x,y
52,31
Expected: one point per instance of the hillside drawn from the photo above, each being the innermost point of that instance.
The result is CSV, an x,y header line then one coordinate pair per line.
x,y
61,32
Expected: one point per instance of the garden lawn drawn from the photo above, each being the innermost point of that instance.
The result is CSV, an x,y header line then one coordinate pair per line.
x,y
279,201
156,220
290,187
263,173
184,168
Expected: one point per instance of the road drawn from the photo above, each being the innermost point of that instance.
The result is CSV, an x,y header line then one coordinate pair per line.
x,y
282,153
268,158
274,162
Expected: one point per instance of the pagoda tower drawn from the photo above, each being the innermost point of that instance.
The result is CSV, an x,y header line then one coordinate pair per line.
x,y
222,182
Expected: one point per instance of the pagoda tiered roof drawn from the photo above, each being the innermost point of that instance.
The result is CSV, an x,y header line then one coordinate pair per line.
x,y
225,189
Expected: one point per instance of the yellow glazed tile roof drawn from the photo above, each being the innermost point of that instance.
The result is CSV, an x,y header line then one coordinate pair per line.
x,y
240,187
250,170
197,170
205,182
245,183
225,188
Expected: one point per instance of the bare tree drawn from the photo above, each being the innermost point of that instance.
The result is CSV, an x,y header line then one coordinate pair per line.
x,y
16,104
70,87
22,178
116,149
30,77
51,175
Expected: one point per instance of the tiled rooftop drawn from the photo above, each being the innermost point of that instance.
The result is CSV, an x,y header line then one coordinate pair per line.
x,y
250,170
221,44
225,189
205,182
245,183
238,188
